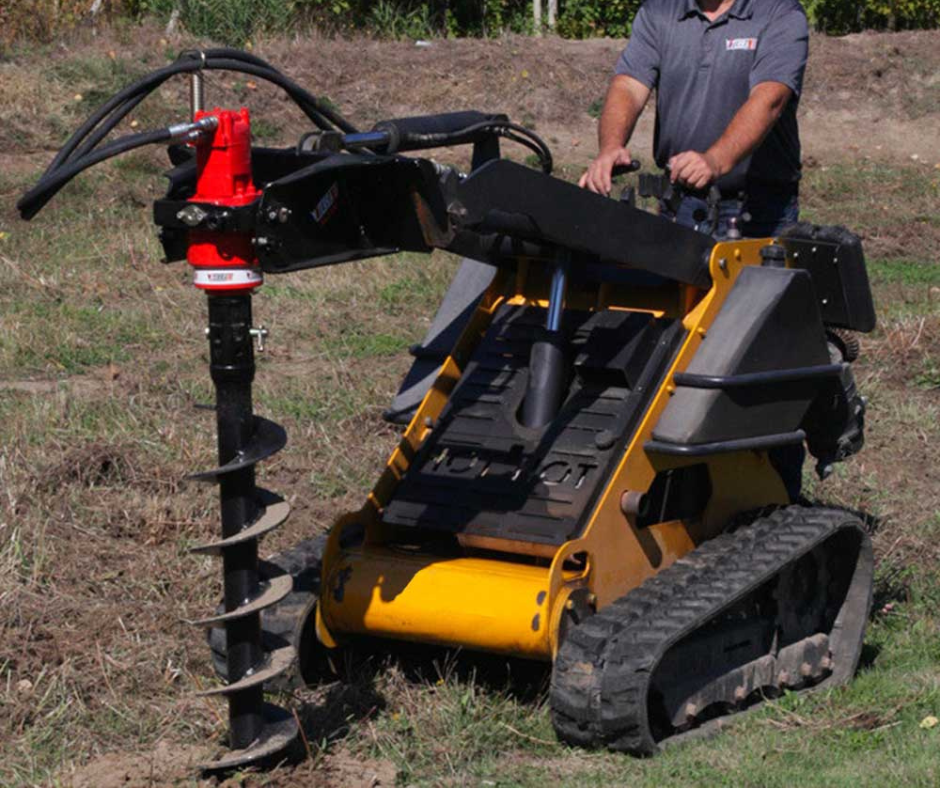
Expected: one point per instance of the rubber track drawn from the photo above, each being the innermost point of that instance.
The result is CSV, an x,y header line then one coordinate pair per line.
x,y
285,620
601,677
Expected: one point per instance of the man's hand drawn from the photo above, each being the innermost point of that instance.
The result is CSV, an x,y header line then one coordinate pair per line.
x,y
598,177
747,130
695,170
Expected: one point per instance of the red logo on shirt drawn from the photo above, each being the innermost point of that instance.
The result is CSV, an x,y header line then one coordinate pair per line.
x,y
740,44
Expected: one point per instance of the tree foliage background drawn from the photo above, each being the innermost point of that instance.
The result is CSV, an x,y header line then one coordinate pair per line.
x,y
234,21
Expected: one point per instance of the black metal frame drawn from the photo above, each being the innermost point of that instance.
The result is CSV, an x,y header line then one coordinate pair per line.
x,y
761,443
749,379
386,204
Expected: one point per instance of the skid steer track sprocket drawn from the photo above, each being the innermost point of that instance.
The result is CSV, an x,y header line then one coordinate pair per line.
x,y
780,604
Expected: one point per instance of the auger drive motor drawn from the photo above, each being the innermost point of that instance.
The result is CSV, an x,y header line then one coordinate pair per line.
x,y
589,472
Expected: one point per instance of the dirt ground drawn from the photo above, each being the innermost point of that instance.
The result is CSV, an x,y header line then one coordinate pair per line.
x,y
92,650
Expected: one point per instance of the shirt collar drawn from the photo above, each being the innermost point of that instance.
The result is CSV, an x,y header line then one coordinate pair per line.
x,y
740,10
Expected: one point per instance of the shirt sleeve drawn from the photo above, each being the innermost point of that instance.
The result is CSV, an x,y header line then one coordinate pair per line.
x,y
783,50
641,58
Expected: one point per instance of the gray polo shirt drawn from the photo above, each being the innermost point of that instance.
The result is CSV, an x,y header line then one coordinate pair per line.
x,y
703,73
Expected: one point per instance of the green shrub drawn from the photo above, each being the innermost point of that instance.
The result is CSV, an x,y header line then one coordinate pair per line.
x,y
387,19
227,21
587,18
235,21
841,16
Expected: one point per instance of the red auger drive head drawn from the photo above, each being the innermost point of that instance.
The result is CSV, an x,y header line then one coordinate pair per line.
x,y
224,260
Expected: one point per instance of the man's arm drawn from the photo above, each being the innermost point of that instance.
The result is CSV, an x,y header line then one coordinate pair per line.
x,y
776,78
747,130
626,98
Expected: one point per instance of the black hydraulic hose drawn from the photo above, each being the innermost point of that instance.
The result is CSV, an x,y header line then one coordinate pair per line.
x,y
104,130
301,96
544,154
296,91
123,102
328,112
513,131
142,87
81,149
531,140
135,93
227,52
33,201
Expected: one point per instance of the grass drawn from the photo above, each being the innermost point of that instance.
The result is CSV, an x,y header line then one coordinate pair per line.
x,y
102,362
911,273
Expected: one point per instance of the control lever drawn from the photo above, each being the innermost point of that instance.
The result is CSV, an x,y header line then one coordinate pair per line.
x,y
626,169
712,213
628,195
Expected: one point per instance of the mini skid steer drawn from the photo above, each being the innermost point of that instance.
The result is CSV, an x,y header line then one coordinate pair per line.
x,y
587,476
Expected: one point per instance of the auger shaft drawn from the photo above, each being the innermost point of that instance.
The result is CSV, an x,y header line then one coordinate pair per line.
x,y
232,366
226,268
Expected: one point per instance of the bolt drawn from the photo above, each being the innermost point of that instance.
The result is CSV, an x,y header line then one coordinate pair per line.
x,y
192,215
631,503
592,599
283,215
723,264
428,422
569,605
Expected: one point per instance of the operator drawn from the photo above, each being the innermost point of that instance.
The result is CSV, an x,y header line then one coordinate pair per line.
x,y
727,76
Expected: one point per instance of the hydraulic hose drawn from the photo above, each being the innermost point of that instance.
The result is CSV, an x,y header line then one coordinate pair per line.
x,y
512,131
307,101
81,149
36,198
142,87
407,134
103,131
123,102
